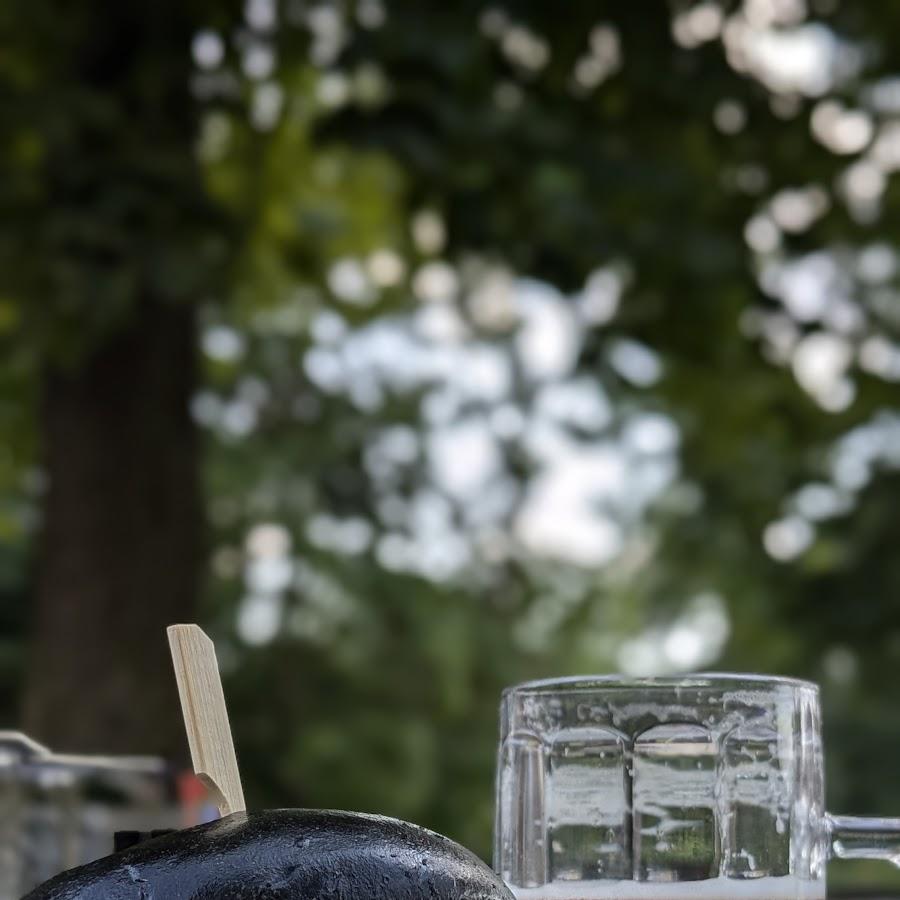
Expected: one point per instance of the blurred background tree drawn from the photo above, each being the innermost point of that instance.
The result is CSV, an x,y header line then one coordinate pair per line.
x,y
498,343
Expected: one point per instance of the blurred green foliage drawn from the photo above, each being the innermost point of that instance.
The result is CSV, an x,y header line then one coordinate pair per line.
x,y
323,135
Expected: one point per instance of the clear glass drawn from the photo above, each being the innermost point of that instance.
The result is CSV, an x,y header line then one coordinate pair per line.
x,y
704,786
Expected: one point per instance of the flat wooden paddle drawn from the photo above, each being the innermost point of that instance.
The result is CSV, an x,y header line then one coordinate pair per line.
x,y
205,716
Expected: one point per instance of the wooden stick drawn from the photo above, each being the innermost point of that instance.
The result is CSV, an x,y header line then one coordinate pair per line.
x,y
205,715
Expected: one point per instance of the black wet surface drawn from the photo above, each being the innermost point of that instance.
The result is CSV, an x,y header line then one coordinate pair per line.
x,y
286,853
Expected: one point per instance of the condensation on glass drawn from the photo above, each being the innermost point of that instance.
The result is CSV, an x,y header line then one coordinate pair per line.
x,y
628,788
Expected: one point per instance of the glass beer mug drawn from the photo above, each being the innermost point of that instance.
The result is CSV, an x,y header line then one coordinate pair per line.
x,y
708,786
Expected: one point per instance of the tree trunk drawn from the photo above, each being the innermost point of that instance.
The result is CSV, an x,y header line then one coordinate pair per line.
x,y
121,540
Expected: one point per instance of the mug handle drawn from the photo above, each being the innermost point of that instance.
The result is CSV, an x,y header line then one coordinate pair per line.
x,y
864,837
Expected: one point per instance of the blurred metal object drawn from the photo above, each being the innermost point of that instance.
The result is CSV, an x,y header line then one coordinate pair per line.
x,y
58,811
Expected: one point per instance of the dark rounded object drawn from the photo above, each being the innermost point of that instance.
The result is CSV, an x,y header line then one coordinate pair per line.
x,y
286,854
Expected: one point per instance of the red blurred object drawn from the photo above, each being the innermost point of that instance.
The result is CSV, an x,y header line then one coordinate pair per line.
x,y
194,800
